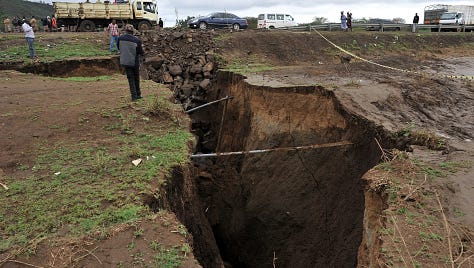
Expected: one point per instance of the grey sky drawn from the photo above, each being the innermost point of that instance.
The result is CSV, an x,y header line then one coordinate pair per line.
x,y
302,10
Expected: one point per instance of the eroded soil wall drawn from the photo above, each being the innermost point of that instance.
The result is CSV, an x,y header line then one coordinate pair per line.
x,y
71,68
300,208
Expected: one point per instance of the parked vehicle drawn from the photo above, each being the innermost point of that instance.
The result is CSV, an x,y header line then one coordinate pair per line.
x,y
218,20
449,15
142,14
382,24
275,20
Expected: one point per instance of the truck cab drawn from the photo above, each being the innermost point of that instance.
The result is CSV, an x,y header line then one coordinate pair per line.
x,y
145,12
452,18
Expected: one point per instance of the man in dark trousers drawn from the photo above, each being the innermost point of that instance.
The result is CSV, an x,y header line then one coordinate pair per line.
x,y
130,50
416,19
160,23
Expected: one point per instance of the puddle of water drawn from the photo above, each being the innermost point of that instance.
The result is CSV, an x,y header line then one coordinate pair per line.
x,y
458,66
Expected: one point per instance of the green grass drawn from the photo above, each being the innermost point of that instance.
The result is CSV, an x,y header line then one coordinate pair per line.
x,y
171,257
80,188
53,52
453,167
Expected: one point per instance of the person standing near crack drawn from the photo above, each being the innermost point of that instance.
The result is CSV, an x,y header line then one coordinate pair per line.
x,y
113,33
130,48
343,22
30,38
8,25
416,19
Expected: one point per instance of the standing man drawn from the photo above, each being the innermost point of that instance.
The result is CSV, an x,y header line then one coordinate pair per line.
x,y
160,23
8,25
130,48
343,22
34,24
416,19
54,25
349,21
30,38
15,23
45,24
114,35
48,19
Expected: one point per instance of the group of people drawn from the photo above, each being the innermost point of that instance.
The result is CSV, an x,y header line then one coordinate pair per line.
x,y
14,25
346,21
50,24
28,27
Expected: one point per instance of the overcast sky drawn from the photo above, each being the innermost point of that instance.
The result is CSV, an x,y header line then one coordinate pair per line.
x,y
302,10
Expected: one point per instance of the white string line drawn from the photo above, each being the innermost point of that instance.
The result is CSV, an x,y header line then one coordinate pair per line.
x,y
393,68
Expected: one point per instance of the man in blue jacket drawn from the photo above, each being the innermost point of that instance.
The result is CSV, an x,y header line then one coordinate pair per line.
x,y
130,50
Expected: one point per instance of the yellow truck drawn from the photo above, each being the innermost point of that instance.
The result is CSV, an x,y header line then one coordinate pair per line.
x,y
87,16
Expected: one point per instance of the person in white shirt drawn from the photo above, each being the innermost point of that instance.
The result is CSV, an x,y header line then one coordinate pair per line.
x,y
30,38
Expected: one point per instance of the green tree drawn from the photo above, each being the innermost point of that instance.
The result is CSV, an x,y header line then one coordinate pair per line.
x,y
319,21
361,20
183,23
398,20
252,21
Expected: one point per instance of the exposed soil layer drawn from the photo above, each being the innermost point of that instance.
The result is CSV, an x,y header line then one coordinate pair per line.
x,y
84,67
258,205
305,208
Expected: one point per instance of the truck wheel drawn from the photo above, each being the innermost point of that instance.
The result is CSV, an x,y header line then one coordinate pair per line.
x,y
87,26
144,26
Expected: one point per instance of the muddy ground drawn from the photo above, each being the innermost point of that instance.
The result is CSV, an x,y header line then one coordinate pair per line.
x,y
308,70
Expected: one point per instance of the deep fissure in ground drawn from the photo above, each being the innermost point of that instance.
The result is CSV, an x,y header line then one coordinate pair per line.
x,y
301,208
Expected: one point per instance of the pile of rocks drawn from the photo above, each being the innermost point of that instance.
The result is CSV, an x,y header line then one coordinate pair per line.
x,y
185,60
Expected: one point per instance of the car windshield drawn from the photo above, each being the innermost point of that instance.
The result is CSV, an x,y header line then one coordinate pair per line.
x,y
448,16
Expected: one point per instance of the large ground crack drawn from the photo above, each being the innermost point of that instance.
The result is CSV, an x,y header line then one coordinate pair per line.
x,y
305,207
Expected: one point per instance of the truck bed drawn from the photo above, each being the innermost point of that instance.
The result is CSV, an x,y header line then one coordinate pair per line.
x,y
92,10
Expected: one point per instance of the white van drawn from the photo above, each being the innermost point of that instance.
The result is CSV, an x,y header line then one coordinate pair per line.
x,y
275,20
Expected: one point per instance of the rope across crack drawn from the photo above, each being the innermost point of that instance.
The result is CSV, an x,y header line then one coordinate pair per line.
x,y
463,77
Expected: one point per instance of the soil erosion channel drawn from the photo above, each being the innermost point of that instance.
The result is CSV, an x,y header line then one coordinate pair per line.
x,y
305,207
292,208
295,208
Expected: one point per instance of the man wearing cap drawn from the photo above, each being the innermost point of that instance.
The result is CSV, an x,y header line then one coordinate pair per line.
x,y
130,48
